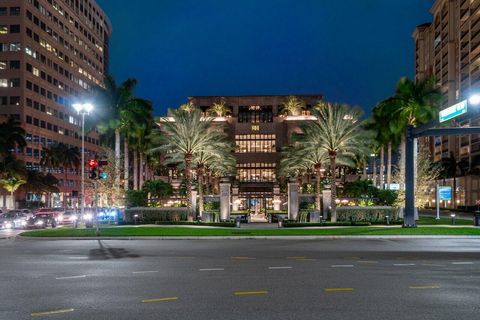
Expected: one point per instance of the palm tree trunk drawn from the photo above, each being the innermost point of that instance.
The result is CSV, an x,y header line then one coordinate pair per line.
x,y
200,190
135,170
12,194
126,164
318,186
188,184
374,174
333,186
364,174
64,191
454,191
382,167
117,158
402,158
141,171
389,164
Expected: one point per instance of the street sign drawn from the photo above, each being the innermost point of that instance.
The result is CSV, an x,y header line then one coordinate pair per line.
x,y
454,111
392,186
445,193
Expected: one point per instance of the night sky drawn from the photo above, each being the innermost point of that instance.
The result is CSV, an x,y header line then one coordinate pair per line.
x,y
351,51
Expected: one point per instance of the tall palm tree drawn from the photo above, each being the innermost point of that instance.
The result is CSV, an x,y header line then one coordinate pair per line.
x,y
414,103
187,135
120,108
339,132
292,106
71,159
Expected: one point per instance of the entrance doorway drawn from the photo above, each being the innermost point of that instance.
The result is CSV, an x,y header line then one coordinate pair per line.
x,y
257,206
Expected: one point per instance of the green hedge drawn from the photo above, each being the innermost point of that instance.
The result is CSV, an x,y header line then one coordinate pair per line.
x,y
294,224
367,214
152,215
228,224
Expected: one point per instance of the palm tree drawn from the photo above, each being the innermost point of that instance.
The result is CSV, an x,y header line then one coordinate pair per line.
x,y
188,107
40,183
338,131
12,184
187,135
292,106
11,136
71,159
219,109
120,109
414,103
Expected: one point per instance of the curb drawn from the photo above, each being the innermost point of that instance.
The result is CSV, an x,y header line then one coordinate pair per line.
x,y
254,238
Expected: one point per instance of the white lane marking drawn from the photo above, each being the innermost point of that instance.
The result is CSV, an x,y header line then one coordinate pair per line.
x,y
463,262
403,264
212,269
71,277
433,265
139,272
77,258
276,268
342,266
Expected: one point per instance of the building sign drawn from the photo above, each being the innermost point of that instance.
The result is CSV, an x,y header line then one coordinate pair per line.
x,y
445,193
454,111
392,186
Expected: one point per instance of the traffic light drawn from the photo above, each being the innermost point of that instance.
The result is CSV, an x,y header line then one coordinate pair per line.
x,y
101,166
93,164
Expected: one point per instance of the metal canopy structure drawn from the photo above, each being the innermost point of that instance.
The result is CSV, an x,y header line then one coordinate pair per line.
x,y
413,133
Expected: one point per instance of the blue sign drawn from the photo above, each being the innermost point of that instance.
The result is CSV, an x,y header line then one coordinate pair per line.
x,y
454,111
445,193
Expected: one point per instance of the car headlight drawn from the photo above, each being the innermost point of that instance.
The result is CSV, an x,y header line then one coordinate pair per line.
x,y
60,218
8,225
74,218
87,216
39,223
24,223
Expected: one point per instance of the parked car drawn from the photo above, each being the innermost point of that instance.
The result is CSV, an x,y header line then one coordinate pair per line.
x,y
41,221
69,217
56,212
14,219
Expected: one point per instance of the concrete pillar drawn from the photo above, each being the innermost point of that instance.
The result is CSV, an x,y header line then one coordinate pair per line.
x,y
225,199
293,203
277,201
327,201
235,199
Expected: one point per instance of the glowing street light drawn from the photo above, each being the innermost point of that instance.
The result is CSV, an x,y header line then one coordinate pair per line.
x,y
474,99
83,109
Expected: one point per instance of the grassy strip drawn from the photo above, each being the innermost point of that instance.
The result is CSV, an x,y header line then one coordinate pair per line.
x,y
159,231
444,221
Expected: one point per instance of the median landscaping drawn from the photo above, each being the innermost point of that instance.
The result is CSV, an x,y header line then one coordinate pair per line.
x,y
158,231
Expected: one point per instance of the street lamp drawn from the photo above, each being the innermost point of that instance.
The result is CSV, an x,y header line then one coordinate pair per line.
x,y
474,99
83,109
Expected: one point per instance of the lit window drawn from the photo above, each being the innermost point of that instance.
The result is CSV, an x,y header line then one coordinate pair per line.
x,y
3,65
3,29
36,72
3,83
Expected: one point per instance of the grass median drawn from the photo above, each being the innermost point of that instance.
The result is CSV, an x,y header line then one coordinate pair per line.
x,y
151,231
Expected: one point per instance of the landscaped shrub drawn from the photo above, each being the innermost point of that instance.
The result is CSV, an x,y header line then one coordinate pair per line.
x,y
136,198
295,224
211,206
152,215
307,205
367,214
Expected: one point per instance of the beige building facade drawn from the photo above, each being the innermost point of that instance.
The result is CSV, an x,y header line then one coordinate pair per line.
x,y
52,52
448,48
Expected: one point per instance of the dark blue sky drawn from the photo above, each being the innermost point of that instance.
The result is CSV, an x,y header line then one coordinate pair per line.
x,y
351,51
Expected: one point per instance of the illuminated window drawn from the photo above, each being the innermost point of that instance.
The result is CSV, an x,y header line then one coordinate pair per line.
x,y
256,172
3,83
255,143
3,29
3,65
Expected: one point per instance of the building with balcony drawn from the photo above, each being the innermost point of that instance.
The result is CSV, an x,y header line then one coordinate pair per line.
x,y
449,49
51,54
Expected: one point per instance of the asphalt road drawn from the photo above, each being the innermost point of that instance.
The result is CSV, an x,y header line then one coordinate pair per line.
x,y
243,279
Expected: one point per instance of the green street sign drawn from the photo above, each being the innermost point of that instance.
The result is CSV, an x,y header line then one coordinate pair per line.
x,y
454,111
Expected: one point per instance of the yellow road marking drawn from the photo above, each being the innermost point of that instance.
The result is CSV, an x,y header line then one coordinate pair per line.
x,y
294,258
47,313
365,261
245,293
338,289
424,287
159,300
353,258
306,259
243,258
184,257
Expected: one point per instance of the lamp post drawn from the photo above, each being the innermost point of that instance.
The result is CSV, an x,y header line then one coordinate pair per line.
x,y
83,109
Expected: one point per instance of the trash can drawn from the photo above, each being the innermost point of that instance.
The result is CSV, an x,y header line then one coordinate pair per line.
x,y
280,222
476,219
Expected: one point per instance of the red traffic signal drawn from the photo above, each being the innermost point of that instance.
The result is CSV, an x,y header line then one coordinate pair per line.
x,y
92,163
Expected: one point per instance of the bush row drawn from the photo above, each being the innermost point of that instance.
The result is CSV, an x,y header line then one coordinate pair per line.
x,y
367,214
152,215
295,224
228,224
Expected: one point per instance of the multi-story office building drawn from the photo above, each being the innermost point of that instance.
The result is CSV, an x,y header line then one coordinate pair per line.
x,y
51,53
259,129
449,49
